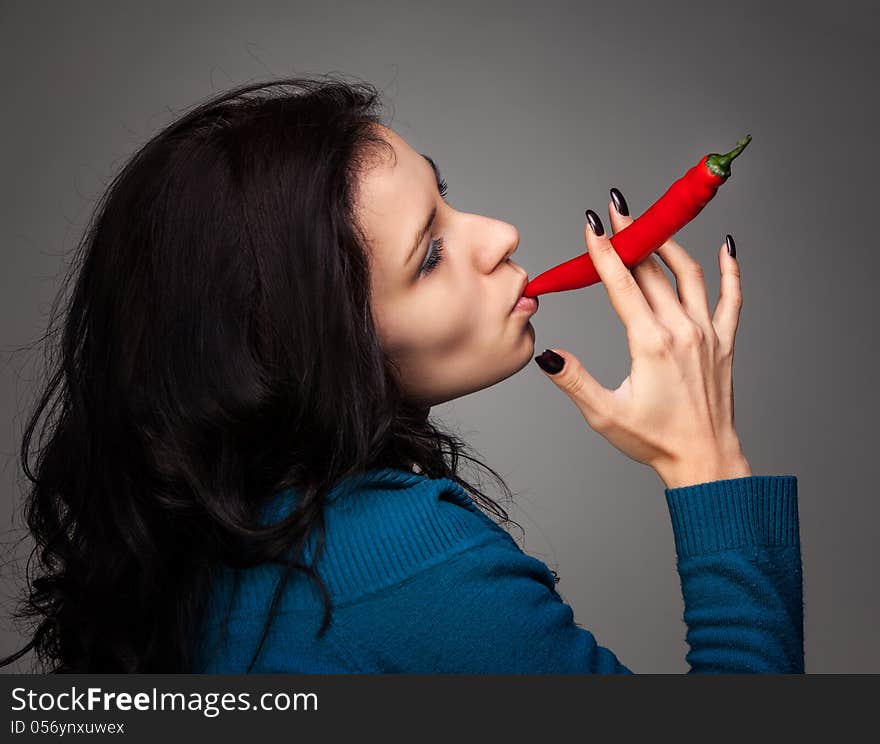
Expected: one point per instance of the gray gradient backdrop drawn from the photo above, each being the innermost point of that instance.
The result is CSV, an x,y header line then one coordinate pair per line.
x,y
533,113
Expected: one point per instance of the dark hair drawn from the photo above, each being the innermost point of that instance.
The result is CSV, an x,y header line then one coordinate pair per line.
x,y
218,347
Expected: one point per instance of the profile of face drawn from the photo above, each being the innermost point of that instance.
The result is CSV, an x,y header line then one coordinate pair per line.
x,y
442,282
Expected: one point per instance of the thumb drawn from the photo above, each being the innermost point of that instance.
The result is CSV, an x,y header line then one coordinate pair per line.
x,y
566,371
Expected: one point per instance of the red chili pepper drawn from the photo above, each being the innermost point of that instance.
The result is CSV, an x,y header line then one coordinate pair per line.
x,y
682,201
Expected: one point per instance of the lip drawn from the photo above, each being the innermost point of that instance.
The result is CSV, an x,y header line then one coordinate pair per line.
x,y
525,304
519,295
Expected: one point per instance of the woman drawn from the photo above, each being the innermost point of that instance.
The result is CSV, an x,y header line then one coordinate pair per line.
x,y
241,474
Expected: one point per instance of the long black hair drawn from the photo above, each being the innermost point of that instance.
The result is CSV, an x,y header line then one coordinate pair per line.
x,y
217,347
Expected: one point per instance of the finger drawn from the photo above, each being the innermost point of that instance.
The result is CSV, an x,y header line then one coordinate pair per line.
x,y
624,293
660,293
592,399
727,311
649,275
689,280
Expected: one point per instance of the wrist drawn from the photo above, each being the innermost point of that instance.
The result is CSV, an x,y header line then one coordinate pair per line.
x,y
705,470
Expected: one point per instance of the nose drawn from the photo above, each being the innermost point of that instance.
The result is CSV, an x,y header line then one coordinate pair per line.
x,y
511,241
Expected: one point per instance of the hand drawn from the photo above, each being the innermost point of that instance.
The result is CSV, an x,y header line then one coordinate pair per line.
x,y
674,412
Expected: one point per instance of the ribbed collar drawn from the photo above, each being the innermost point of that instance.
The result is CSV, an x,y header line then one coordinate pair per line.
x,y
384,478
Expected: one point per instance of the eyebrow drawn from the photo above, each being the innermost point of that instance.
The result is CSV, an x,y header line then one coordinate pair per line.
x,y
430,221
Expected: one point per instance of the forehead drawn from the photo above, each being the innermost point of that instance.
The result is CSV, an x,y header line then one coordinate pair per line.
x,y
392,166
394,194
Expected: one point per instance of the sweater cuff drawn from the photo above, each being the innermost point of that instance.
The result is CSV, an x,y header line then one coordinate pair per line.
x,y
756,510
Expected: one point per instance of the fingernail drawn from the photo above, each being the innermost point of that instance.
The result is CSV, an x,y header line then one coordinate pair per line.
x,y
595,222
550,362
619,202
731,246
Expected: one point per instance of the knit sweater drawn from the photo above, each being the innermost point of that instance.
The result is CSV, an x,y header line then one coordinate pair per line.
x,y
423,581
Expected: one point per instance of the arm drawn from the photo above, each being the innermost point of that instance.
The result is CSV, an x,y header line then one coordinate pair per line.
x,y
739,560
490,608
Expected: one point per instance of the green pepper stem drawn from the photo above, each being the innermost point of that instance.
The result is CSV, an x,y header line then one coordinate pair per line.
x,y
720,164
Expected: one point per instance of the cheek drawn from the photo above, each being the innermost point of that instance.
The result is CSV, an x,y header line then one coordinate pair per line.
x,y
433,328
444,324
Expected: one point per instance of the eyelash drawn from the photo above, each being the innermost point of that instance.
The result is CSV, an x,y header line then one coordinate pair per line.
x,y
436,256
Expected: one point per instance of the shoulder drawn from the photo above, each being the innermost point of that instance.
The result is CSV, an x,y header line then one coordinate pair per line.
x,y
387,525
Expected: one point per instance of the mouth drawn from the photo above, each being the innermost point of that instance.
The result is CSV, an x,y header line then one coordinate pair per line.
x,y
524,303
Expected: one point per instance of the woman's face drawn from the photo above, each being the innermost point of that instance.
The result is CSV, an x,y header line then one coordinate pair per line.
x,y
449,328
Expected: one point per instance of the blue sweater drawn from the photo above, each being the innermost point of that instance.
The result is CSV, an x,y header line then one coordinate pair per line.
x,y
423,581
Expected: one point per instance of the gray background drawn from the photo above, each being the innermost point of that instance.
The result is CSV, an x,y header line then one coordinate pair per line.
x,y
532,115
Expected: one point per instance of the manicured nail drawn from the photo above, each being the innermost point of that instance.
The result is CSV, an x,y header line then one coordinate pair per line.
x,y
550,362
595,222
731,246
619,202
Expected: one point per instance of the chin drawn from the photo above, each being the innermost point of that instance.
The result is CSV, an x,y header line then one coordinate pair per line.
x,y
528,351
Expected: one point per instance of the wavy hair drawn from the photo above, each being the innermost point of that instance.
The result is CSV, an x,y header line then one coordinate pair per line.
x,y
217,347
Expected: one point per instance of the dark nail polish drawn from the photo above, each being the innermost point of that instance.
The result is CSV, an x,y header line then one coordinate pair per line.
x,y
595,222
619,202
550,362
731,247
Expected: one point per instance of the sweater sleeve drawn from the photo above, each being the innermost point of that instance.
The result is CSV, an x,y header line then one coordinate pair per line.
x,y
488,607
739,561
